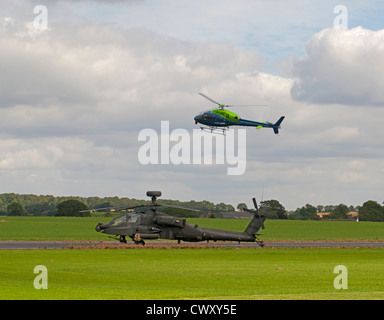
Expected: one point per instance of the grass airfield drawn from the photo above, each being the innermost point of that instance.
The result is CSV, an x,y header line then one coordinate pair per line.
x,y
198,273
193,274
75,228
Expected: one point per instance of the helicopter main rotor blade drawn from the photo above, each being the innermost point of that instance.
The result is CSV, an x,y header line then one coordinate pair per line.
x,y
232,105
203,95
115,208
258,212
255,204
134,207
245,105
178,207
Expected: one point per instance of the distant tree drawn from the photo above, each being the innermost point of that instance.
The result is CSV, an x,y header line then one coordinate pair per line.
x,y
329,208
71,208
15,209
3,208
241,206
305,213
105,204
339,212
41,209
277,210
224,207
230,207
371,211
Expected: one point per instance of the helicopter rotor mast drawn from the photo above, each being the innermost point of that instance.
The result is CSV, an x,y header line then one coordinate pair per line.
x,y
154,195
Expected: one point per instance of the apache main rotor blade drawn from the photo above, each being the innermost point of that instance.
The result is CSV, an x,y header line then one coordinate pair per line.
x,y
178,207
258,212
115,208
255,204
134,207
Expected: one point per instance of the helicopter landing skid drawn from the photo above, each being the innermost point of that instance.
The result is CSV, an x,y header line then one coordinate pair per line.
x,y
215,130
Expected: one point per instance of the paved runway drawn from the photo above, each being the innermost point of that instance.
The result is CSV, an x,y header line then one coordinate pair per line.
x,y
42,245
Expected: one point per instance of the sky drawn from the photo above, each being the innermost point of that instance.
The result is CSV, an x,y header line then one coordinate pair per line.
x,y
76,92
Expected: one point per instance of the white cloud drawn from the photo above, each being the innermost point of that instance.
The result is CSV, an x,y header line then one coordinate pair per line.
x,y
341,66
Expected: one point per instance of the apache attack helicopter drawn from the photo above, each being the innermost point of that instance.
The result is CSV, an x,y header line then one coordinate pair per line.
x,y
218,120
153,224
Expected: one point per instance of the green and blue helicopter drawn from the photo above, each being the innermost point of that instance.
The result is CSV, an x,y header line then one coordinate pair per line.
x,y
219,120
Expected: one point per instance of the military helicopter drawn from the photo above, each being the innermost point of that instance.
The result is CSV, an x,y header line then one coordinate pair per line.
x,y
153,224
219,120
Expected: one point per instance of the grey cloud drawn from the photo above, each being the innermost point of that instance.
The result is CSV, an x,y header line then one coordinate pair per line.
x,y
90,77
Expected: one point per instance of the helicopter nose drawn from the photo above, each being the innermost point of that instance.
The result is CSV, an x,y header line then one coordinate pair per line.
x,y
100,226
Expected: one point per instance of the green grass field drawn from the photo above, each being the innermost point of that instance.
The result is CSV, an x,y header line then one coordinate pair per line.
x,y
204,273
74,228
193,274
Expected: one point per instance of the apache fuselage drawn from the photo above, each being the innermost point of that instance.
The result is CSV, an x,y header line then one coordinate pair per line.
x,y
157,225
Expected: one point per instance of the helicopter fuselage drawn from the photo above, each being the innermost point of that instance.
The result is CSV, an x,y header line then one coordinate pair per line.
x,y
225,118
154,224
161,226
219,118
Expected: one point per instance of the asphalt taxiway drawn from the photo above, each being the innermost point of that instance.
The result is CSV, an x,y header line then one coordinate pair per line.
x,y
66,244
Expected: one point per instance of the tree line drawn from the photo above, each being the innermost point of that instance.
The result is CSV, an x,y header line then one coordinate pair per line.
x,y
369,211
48,205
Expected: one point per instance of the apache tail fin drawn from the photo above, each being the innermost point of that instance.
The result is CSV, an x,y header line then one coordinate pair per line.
x,y
257,221
276,126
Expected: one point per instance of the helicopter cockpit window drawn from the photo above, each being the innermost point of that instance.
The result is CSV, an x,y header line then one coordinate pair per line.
x,y
208,117
127,218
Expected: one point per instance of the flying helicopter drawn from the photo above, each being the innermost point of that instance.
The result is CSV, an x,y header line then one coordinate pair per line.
x,y
153,224
218,120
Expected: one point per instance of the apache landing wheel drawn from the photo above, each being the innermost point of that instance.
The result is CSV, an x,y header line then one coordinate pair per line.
x,y
123,239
